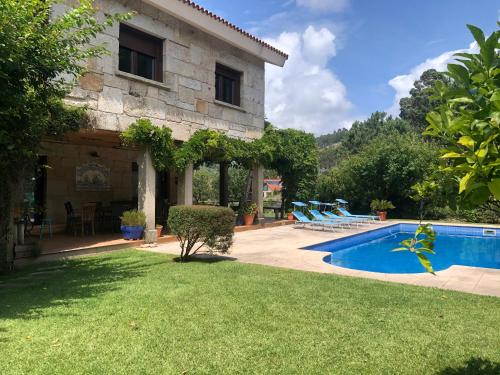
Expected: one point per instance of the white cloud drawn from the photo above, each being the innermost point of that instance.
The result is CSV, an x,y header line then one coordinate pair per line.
x,y
305,94
324,5
402,84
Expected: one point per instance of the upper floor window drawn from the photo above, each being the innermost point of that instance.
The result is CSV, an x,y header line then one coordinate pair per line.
x,y
227,84
140,53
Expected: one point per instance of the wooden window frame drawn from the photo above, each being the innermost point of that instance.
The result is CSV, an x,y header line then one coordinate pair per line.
x,y
221,72
140,42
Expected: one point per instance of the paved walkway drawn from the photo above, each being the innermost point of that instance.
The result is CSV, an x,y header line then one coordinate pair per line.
x,y
281,247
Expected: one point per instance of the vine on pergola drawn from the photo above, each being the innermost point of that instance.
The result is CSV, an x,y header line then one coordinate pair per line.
x,y
158,140
293,154
205,145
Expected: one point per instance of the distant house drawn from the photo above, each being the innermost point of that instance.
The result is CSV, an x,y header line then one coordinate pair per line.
x,y
178,65
272,186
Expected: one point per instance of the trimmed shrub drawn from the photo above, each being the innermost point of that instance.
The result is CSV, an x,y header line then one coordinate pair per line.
x,y
199,227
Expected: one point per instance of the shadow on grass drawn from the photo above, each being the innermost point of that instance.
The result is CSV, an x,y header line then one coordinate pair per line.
x,y
474,366
27,293
206,258
2,331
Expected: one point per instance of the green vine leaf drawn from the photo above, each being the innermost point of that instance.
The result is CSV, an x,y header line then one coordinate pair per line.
x,y
418,245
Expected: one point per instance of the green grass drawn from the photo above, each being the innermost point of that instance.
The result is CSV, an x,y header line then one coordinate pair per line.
x,y
132,312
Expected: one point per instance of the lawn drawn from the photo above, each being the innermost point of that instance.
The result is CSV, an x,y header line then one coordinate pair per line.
x,y
135,312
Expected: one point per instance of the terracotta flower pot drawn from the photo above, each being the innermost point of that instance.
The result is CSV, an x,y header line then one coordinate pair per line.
x,y
158,228
382,215
248,219
290,216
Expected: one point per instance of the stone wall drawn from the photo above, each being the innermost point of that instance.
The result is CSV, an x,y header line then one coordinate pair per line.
x,y
63,159
185,101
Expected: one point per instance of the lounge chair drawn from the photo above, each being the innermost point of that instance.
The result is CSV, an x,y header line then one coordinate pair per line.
x,y
323,224
317,215
346,213
343,220
353,220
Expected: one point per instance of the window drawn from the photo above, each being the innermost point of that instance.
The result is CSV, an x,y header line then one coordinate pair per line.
x,y
227,84
140,54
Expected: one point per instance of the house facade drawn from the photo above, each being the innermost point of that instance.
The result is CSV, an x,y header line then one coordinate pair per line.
x,y
176,64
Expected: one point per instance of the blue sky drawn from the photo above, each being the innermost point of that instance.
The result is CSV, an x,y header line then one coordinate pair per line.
x,y
352,57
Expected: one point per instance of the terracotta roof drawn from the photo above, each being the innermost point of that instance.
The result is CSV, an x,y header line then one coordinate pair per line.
x,y
274,184
232,26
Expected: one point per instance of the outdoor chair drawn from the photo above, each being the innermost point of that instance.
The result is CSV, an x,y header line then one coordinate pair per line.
x,y
319,217
305,222
88,217
346,213
72,220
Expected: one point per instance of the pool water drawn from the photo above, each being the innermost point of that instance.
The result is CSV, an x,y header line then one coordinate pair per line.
x,y
376,255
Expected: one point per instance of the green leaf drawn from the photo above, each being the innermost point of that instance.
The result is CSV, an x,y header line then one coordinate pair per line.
x,y
467,142
477,33
494,187
459,72
488,50
407,243
495,96
469,56
426,250
400,249
450,155
461,100
479,77
464,182
425,262
482,152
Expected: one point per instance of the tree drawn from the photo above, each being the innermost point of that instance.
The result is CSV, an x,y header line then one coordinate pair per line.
x,y
468,121
421,101
293,154
331,156
378,124
349,142
331,139
237,182
205,185
35,57
386,168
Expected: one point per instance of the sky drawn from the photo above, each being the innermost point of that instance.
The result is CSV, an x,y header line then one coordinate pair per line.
x,y
349,58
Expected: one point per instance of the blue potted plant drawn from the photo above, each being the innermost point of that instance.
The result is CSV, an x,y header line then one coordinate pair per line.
x,y
133,224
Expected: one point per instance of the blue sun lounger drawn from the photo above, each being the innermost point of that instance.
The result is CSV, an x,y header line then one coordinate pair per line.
x,y
303,220
319,217
346,213
331,216
353,220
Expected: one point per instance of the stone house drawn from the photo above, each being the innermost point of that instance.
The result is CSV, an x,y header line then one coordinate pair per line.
x,y
176,64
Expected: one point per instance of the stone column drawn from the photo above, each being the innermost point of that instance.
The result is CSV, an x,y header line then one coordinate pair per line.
x,y
147,188
185,186
257,191
224,184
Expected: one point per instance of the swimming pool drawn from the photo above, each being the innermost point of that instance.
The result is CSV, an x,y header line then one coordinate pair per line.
x,y
455,245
